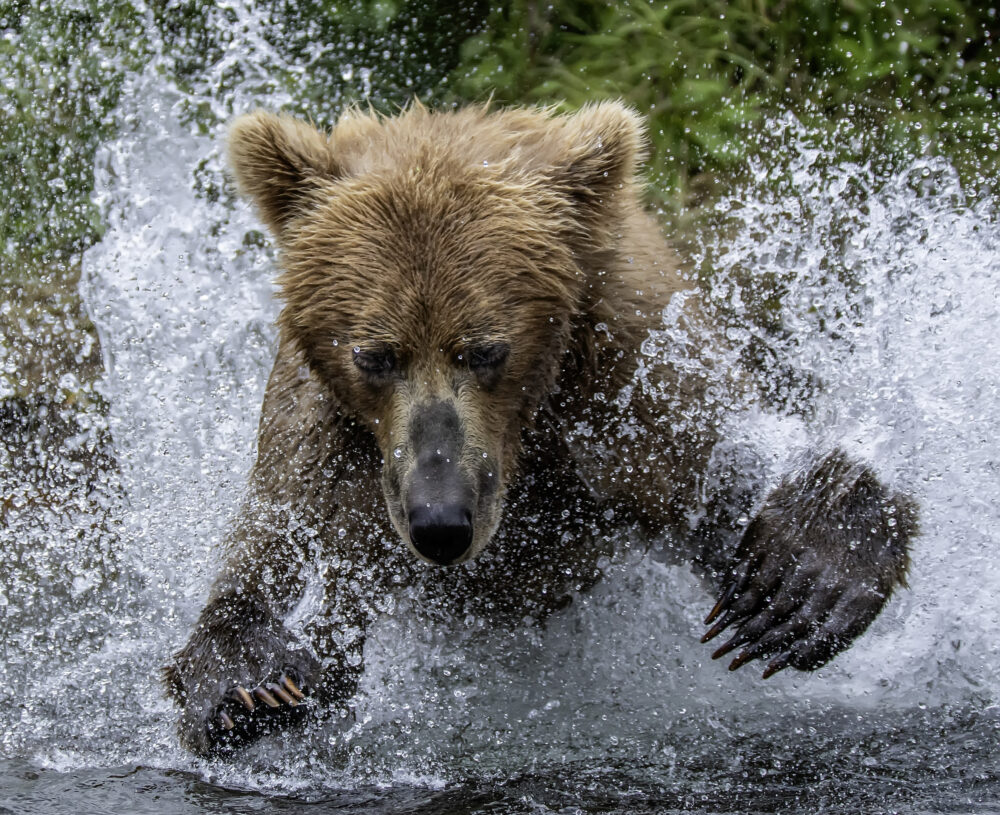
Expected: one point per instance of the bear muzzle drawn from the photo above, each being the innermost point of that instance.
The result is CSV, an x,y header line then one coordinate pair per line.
x,y
439,500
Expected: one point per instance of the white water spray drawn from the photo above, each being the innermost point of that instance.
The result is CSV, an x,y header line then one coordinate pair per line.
x,y
180,289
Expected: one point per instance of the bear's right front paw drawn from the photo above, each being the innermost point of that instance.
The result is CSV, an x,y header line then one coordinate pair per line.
x,y
244,715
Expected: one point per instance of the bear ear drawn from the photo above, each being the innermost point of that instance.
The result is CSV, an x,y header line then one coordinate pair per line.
x,y
602,147
277,161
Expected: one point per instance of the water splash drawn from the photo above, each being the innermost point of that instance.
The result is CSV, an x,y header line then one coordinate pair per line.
x,y
889,294
890,290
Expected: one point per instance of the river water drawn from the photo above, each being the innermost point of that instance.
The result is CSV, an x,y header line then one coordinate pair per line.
x,y
890,294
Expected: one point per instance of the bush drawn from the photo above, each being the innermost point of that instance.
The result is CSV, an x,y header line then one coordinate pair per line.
x,y
922,73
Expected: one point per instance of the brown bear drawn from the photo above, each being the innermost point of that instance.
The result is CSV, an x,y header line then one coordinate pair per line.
x,y
455,409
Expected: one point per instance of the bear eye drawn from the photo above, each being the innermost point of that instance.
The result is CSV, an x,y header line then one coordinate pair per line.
x,y
487,358
375,361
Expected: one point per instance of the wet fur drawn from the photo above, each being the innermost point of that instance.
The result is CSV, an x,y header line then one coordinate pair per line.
x,y
428,231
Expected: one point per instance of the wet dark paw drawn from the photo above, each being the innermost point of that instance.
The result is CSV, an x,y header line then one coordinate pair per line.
x,y
800,613
814,568
248,712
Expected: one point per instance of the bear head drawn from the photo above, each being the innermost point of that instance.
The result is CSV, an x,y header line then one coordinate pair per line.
x,y
435,267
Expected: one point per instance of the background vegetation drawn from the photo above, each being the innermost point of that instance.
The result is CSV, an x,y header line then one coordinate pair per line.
x,y
909,75
923,74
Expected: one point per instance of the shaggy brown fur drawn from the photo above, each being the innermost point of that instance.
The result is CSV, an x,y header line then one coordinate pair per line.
x,y
465,298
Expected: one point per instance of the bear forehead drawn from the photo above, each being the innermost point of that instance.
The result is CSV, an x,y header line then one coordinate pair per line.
x,y
434,205
432,250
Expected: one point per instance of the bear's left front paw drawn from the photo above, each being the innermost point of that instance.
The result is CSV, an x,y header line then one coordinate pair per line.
x,y
803,611
814,568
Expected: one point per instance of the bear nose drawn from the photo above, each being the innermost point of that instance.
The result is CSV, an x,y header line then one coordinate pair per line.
x,y
442,533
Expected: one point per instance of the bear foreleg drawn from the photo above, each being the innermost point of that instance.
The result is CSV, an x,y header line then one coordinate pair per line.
x,y
240,675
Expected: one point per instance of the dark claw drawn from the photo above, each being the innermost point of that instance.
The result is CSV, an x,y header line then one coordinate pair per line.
x,y
737,581
814,567
778,664
282,694
716,629
245,698
725,648
720,606
751,652
266,697
744,605
243,716
728,619
292,687
742,659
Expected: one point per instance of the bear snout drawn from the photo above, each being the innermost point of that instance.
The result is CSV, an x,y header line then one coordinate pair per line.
x,y
439,499
442,533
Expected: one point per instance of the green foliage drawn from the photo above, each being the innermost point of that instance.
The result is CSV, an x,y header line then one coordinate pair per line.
x,y
320,55
392,50
61,70
63,65
922,73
